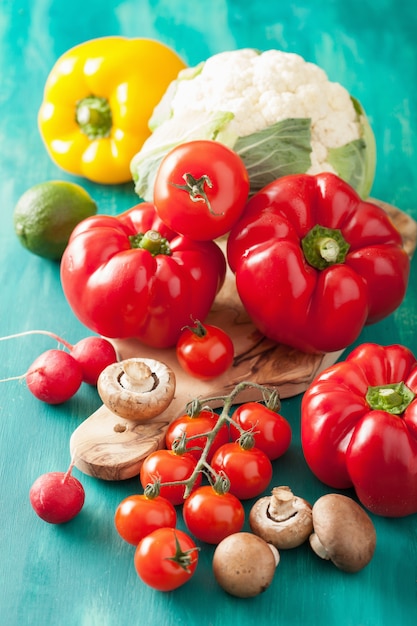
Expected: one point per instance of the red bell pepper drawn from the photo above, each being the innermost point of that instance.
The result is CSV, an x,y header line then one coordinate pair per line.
x,y
130,276
314,263
359,427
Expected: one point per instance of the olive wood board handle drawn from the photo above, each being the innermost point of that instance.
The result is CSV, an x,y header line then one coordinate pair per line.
x,y
113,448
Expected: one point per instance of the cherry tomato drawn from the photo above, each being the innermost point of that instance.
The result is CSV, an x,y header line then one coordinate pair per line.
x,y
166,559
137,516
192,426
271,431
249,471
212,516
169,467
201,188
204,351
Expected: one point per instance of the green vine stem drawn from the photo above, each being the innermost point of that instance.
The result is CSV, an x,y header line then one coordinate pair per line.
x,y
219,482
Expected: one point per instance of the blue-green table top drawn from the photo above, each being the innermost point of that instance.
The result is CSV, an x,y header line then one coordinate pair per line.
x,y
81,573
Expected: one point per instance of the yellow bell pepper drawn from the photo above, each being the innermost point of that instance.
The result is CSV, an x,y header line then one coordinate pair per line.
x,y
97,101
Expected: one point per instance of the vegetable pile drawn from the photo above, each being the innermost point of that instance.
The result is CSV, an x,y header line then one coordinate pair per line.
x,y
263,152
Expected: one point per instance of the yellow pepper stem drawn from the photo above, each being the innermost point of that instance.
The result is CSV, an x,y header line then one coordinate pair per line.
x,y
93,115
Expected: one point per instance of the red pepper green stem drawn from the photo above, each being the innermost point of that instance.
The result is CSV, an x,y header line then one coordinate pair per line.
x,y
324,246
152,241
393,398
93,116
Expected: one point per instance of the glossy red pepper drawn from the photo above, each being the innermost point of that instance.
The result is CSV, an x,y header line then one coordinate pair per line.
x,y
359,427
130,276
314,263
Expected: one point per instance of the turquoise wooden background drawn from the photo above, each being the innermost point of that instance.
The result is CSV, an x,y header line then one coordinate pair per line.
x,y
81,574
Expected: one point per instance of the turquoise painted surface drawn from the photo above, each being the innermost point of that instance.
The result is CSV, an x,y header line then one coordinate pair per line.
x,y
81,574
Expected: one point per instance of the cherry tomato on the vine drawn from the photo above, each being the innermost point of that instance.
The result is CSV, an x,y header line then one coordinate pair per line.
x,y
166,559
271,431
249,471
168,467
200,189
212,516
204,351
137,515
192,426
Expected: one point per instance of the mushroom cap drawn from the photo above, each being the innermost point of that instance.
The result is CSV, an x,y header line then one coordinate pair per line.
x,y
137,389
244,564
283,519
343,532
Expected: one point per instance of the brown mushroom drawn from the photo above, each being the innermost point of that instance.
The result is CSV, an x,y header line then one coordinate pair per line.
x,y
244,564
137,389
343,532
283,519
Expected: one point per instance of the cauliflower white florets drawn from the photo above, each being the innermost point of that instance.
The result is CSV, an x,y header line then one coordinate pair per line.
x,y
262,89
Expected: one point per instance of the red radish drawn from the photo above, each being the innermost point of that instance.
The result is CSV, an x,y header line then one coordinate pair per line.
x,y
57,497
93,354
54,377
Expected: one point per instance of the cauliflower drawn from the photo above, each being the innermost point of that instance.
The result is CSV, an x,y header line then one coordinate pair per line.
x,y
280,113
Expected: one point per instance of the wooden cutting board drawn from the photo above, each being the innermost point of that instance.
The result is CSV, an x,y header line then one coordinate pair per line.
x,y
111,448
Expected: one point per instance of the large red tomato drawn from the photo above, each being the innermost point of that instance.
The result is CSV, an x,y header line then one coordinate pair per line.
x,y
200,189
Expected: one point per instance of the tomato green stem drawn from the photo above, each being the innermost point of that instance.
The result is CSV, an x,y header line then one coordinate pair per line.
x,y
195,187
181,557
93,116
198,329
324,246
273,402
221,484
393,398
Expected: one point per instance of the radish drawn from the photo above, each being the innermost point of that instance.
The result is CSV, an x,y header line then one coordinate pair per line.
x,y
57,497
55,376
93,354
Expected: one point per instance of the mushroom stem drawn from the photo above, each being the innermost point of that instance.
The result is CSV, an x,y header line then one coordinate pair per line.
x,y
283,504
277,556
318,547
137,377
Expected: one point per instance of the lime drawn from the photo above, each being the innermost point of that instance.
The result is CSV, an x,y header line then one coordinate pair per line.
x,y
46,214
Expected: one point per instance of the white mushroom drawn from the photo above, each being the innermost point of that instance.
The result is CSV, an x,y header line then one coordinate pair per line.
x,y
137,389
244,564
283,519
343,532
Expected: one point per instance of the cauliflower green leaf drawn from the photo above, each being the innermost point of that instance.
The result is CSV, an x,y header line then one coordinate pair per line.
x,y
281,149
355,162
